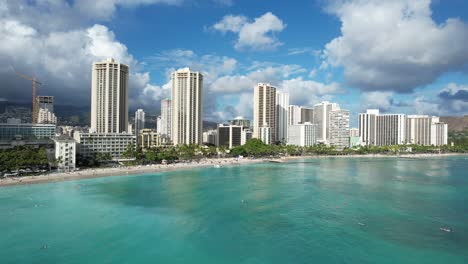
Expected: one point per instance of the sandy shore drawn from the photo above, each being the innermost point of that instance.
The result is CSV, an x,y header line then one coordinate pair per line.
x,y
124,171
205,163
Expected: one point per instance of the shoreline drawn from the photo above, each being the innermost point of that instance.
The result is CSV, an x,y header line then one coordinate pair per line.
x,y
124,171
205,163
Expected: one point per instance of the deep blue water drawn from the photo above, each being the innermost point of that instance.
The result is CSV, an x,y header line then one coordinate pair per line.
x,y
333,210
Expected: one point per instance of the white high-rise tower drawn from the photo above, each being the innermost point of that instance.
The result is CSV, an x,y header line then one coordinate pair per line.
x,y
109,97
282,110
166,117
139,121
187,107
322,119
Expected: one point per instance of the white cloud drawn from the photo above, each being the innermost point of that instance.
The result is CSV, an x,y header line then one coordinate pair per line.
x,y
232,84
59,15
313,73
255,35
61,60
307,92
105,9
231,23
394,45
377,100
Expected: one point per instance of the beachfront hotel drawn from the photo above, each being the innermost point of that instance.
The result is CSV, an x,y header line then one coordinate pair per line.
x,y
265,112
109,97
282,109
367,127
187,107
425,130
65,153
115,144
322,119
339,128
229,135
396,129
303,135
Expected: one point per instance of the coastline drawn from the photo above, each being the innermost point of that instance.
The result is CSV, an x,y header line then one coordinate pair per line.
x,y
123,171
205,163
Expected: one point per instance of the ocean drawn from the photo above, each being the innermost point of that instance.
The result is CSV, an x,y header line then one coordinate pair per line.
x,y
327,210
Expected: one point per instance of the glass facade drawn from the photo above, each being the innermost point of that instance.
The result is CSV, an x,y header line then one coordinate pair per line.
x,y
26,131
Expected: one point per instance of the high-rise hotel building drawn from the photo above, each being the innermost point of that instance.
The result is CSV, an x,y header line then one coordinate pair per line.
x,y
425,130
339,128
367,127
282,110
139,121
265,112
187,106
390,129
166,118
109,97
321,115
398,129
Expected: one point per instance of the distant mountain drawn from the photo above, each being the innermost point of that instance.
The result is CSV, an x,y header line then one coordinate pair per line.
x,y
207,125
80,115
456,123
73,115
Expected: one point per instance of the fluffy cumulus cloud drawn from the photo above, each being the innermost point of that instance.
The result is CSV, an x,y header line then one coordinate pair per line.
x,y
377,100
308,92
258,34
60,52
394,45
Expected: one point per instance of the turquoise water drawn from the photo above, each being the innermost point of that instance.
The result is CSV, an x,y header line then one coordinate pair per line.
x,y
332,210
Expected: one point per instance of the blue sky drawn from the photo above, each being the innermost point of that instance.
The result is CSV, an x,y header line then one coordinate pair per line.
x,y
405,56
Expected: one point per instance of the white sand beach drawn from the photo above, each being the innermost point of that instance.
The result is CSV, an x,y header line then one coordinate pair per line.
x,y
124,171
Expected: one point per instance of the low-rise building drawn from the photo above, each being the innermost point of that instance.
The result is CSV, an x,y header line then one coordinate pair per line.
x,y
210,137
246,135
149,138
354,141
65,153
354,132
24,131
90,144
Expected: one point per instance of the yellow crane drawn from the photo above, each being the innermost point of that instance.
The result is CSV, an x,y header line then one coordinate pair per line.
x,y
34,100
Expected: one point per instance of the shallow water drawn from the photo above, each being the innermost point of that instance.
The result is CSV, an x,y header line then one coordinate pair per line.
x,y
331,210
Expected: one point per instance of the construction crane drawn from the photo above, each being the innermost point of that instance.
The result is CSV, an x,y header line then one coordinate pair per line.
x,y
34,101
